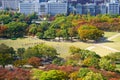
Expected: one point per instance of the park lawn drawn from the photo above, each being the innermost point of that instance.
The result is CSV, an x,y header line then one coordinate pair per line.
x,y
114,44
61,47
109,34
101,51
118,67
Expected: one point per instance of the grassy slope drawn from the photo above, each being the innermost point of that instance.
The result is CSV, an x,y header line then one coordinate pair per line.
x,y
63,47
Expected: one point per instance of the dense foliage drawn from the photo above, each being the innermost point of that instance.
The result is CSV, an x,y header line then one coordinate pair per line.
x,y
80,65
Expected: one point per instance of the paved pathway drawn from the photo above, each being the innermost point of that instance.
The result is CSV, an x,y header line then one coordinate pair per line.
x,y
106,47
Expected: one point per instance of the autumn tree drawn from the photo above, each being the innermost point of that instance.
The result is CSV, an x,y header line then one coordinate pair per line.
x,y
34,61
89,32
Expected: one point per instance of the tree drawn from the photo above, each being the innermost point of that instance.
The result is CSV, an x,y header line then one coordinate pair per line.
x,y
93,76
58,61
6,54
33,29
5,59
50,33
20,52
53,75
2,30
41,50
16,29
89,32
91,61
74,50
4,49
39,35
34,61
4,19
36,74
107,64
83,72
20,63
71,32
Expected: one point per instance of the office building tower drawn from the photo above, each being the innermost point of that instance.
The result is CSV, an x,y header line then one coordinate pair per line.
x,y
10,4
27,7
113,8
57,8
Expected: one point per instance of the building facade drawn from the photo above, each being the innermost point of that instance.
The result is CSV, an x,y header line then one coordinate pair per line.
x,y
57,8
27,7
10,4
113,8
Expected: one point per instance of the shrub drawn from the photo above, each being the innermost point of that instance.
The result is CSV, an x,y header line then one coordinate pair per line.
x,y
83,72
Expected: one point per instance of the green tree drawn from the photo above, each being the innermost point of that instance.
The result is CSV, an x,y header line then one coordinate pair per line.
x,y
50,33
40,50
20,52
93,76
74,50
39,35
6,49
107,64
53,75
4,19
83,72
91,61
36,74
16,29
5,59
20,63
33,29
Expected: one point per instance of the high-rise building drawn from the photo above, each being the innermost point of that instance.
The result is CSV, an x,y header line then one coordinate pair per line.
x,y
113,8
89,9
27,7
79,8
41,8
11,4
57,8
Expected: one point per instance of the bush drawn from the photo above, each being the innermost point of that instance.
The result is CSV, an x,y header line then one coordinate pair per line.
x,y
91,61
36,73
53,75
20,63
83,72
106,64
34,61
93,76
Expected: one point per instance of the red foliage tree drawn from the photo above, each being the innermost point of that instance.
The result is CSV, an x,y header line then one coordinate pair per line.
x,y
34,61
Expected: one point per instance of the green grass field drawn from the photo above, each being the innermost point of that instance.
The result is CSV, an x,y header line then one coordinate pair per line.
x,y
109,34
114,44
63,47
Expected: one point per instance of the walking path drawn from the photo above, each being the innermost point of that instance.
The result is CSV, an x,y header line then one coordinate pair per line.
x,y
106,47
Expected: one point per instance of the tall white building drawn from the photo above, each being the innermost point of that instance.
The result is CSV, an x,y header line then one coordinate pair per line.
x,y
57,8
27,7
11,4
41,8
113,8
